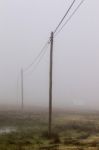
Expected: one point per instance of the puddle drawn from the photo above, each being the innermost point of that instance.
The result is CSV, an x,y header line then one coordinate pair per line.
x,y
7,130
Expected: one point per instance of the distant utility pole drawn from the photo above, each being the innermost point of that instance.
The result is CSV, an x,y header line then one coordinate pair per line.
x,y
22,97
50,84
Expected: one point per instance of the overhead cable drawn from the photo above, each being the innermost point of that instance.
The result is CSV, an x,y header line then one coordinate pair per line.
x,y
65,15
39,60
70,17
36,58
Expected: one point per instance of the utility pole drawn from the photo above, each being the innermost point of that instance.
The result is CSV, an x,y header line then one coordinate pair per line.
x,y
22,97
50,84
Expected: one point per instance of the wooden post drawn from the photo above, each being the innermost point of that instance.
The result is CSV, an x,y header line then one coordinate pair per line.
x,y
50,84
22,97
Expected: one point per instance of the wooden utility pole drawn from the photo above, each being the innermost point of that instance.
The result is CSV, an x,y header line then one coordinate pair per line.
x,y
22,97
50,84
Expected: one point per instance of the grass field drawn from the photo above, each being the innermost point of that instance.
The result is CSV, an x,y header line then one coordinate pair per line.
x,y
29,131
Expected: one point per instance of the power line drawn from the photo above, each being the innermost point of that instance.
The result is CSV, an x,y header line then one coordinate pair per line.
x,y
39,59
29,66
65,15
40,56
70,17
36,58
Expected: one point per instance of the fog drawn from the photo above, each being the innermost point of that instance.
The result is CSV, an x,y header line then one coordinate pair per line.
x,y
25,26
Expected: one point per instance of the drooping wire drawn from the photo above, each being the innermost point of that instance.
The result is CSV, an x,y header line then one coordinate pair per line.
x,y
55,31
39,60
64,16
70,17
36,58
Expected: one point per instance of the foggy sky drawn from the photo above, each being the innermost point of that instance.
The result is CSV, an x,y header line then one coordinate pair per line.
x,y
25,26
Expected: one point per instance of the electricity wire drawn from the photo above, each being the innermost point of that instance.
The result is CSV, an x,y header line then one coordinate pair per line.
x,y
64,16
70,17
36,58
40,53
39,60
55,31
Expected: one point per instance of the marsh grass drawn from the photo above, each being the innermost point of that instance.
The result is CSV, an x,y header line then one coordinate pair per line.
x,y
70,131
